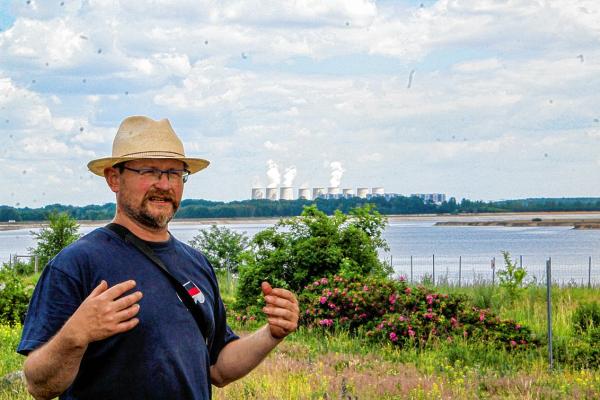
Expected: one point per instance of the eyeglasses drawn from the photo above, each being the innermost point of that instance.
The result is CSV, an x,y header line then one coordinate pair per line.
x,y
156,174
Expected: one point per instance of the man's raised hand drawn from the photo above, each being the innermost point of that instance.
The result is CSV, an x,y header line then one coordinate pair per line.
x,y
281,309
104,313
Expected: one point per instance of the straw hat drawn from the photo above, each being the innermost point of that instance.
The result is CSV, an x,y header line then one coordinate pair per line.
x,y
142,137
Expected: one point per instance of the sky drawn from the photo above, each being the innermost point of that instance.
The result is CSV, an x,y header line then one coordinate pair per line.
x,y
484,100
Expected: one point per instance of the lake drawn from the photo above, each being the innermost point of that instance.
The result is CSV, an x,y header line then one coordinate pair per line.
x,y
448,252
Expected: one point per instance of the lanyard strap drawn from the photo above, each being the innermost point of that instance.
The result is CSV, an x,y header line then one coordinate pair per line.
x,y
185,297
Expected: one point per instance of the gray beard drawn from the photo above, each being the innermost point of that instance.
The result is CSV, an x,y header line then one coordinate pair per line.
x,y
144,218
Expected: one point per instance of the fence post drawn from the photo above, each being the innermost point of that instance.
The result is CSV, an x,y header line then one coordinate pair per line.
x,y
411,270
36,261
590,273
433,277
549,309
10,260
521,261
493,262
459,269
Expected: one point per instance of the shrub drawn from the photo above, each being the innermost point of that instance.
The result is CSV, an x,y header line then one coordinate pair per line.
x,y
222,246
14,297
297,250
586,317
511,278
61,232
387,310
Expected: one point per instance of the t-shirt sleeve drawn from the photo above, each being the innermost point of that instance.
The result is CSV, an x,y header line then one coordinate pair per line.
x,y
55,298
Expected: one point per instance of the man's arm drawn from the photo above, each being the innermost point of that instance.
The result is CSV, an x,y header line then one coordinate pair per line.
x,y
50,369
241,356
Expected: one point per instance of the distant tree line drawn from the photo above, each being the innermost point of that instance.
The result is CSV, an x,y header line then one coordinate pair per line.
x,y
284,208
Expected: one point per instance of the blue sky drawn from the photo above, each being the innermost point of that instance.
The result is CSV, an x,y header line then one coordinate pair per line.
x,y
481,99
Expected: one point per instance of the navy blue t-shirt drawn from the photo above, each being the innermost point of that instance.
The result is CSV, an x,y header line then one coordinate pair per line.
x,y
165,355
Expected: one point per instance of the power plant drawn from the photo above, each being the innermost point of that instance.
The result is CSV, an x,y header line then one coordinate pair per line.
x,y
332,192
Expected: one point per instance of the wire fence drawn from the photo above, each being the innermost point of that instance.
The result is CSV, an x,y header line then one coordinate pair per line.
x,y
574,271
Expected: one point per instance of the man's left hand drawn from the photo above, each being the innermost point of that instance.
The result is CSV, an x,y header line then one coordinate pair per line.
x,y
282,310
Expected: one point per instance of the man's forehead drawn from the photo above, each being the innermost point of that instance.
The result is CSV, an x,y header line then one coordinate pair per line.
x,y
156,162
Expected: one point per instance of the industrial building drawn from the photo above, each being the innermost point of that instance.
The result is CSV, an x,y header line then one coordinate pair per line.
x,y
333,192
435,198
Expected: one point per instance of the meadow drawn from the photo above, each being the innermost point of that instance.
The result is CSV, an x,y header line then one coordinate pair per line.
x,y
321,364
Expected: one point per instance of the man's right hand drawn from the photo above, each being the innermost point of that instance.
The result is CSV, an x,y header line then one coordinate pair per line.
x,y
104,313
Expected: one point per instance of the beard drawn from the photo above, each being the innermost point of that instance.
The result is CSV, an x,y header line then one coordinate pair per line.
x,y
142,214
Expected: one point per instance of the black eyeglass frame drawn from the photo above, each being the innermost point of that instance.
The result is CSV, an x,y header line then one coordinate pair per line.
x,y
158,173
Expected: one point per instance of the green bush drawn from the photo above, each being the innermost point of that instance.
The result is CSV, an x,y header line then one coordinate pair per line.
x,y
586,317
387,310
61,232
223,247
297,250
14,296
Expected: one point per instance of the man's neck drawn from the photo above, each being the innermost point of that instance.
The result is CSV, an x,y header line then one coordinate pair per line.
x,y
141,231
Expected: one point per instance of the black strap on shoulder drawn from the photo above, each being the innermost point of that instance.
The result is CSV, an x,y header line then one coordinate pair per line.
x,y
185,297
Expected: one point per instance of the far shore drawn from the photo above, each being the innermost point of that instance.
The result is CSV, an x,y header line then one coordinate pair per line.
x,y
577,219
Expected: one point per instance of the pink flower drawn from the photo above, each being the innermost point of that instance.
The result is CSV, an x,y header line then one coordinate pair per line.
x,y
429,299
453,321
402,319
481,316
365,288
408,290
393,337
326,322
411,333
428,315
392,298
513,343
517,327
324,281
465,333
402,278
323,300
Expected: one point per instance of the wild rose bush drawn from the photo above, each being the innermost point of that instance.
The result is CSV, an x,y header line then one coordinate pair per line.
x,y
390,310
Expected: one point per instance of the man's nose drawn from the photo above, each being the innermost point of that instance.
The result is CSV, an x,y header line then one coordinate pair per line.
x,y
163,182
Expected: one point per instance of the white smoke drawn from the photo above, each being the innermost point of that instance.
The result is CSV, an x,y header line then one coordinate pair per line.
x,y
336,174
289,175
273,174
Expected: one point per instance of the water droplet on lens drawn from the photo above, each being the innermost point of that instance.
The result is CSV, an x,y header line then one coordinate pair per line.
x,y
206,42
347,23
7,121
81,129
47,64
596,120
28,2
17,204
99,51
84,80
62,3
545,154
24,172
33,81
126,93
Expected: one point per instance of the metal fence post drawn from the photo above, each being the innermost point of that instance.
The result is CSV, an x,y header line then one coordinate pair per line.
x,y
459,269
521,261
590,273
433,277
493,262
36,261
549,308
411,270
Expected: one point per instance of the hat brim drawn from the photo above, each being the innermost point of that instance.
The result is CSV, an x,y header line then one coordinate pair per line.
x,y
98,166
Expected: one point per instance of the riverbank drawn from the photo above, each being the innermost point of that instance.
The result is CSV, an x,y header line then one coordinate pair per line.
x,y
583,220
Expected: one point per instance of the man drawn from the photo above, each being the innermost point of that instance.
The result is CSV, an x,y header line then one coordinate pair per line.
x,y
106,323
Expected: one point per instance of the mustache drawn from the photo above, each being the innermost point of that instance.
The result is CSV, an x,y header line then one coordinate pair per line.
x,y
165,195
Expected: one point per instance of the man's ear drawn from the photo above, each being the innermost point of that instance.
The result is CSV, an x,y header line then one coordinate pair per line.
x,y
112,178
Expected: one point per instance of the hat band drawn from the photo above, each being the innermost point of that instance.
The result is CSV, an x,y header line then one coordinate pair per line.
x,y
152,154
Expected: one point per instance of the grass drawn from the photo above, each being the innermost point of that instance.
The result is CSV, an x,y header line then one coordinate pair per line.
x,y
313,364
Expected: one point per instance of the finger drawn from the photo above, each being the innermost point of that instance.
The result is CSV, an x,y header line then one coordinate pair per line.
x,y
279,312
127,313
280,302
118,289
127,301
283,293
266,288
287,326
99,289
127,325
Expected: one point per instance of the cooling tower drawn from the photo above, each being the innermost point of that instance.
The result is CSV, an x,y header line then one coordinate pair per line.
x,y
378,191
258,193
333,190
286,193
347,193
304,193
362,192
318,192
272,193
